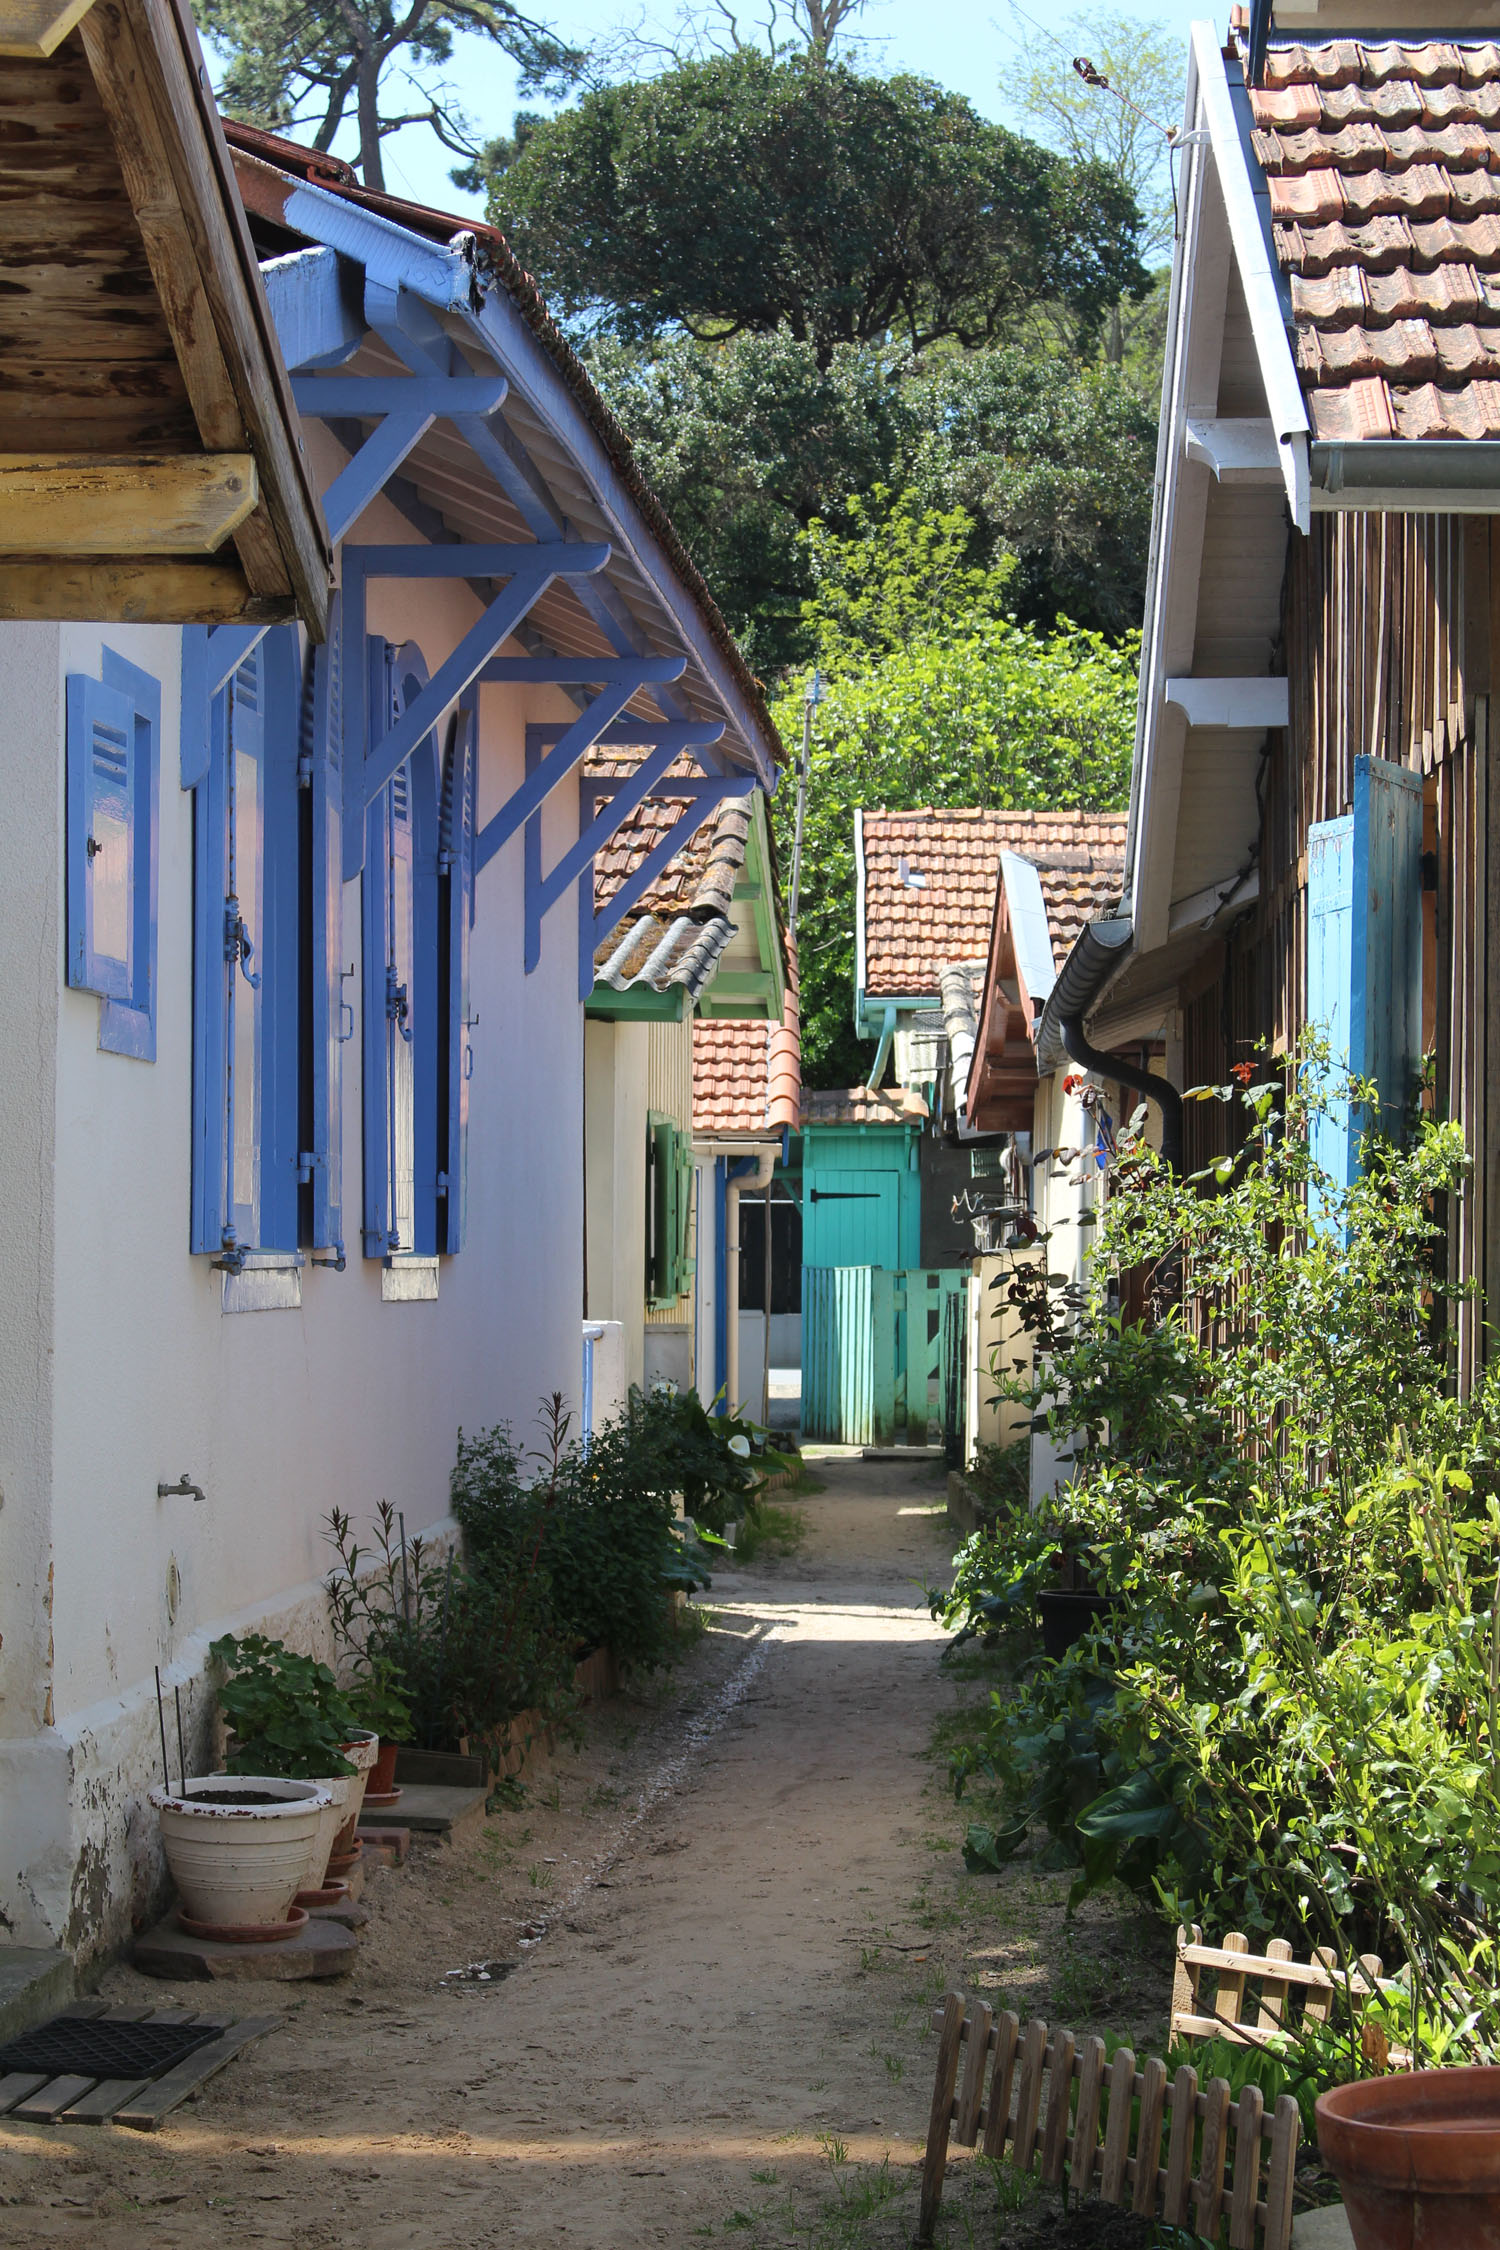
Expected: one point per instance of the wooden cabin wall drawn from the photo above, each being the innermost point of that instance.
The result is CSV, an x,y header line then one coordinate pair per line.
x,y
1390,628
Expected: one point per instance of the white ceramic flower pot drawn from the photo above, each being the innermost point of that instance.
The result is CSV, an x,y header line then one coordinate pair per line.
x,y
240,1863
362,1749
340,1787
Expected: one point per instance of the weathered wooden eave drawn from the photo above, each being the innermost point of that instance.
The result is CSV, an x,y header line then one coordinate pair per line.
x,y
211,515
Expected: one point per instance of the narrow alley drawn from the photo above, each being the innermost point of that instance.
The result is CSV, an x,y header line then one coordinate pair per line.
x,y
691,2023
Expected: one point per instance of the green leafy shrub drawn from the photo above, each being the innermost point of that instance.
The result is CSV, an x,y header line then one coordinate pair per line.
x,y
1289,1719
461,1653
286,1711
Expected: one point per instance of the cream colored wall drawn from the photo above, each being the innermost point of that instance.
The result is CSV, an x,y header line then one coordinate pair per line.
x,y
119,1367
615,1077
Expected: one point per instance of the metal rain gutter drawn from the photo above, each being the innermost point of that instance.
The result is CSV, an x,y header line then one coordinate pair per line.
x,y
887,1034
1097,952
1362,471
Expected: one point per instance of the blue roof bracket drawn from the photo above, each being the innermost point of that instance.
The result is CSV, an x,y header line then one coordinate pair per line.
x,y
544,891
528,572
621,680
406,407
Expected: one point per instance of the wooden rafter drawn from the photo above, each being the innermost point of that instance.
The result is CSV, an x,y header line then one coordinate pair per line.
x,y
32,28
88,505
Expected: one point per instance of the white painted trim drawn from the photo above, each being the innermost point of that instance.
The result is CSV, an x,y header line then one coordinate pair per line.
x,y
1251,704
1283,391
1204,907
1239,451
1031,934
859,905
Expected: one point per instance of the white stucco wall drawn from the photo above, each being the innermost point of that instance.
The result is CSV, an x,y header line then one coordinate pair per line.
x,y
616,1058
118,1367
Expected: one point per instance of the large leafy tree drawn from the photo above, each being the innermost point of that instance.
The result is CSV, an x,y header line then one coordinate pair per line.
x,y
933,696
376,63
748,443
742,193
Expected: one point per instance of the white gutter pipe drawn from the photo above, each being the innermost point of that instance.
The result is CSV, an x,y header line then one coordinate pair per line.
x,y
765,1165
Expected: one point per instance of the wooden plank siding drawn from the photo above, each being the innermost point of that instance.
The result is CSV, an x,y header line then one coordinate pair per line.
x,y
1389,631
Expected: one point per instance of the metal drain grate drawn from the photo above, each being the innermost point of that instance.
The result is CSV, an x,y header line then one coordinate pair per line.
x,y
84,2047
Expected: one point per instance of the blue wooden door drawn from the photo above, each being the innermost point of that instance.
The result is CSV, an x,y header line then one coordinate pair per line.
x,y
850,1219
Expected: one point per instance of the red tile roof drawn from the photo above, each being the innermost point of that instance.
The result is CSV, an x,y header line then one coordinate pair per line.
x,y
747,1077
940,908
700,878
857,1105
1382,163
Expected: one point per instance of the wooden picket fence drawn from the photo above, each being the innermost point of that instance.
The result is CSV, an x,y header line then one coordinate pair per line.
x,y
1256,1997
1072,2112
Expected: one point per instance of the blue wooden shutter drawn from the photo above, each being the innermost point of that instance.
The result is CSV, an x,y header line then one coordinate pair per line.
x,y
329,1011
245,950
210,1232
102,839
1364,954
1330,930
279,999
460,789
1385,1008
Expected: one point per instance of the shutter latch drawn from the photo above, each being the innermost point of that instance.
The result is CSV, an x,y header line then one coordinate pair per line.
x,y
238,944
397,1006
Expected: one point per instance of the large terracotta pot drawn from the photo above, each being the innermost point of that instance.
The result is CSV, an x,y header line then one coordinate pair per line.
x,y
1418,2158
238,1845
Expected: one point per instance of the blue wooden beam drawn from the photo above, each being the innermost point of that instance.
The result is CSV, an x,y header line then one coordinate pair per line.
x,y
448,395
529,571
573,744
544,891
371,469
315,307
587,671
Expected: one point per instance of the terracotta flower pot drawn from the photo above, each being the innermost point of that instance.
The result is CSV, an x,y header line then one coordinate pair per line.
x,y
237,1845
381,1788
362,1749
1418,2158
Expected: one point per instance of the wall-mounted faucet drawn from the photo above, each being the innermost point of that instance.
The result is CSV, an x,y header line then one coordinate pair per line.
x,y
183,1489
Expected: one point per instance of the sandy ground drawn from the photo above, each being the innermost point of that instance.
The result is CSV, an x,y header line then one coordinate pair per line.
x,y
729,1912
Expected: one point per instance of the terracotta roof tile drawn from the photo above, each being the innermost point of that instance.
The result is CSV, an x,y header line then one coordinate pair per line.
x,y
747,1077
1382,165
930,880
700,878
856,1105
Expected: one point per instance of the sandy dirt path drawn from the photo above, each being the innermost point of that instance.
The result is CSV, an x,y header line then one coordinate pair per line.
x,y
703,1889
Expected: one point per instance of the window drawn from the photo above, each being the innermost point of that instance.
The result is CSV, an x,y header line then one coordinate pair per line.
x,y
418,911
669,1207
267,994
113,738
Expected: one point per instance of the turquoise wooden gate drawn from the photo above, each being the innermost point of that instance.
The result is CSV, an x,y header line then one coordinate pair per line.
x,y
872,1352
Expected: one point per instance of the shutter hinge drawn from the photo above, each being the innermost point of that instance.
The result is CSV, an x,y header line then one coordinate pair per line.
x,y
442,1183
397,1006
238,944
308,1160
338,1261
305,770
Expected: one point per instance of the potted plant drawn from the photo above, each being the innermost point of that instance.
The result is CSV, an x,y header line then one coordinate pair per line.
x,y
1417,2155
289,1718
379,1703
237,1848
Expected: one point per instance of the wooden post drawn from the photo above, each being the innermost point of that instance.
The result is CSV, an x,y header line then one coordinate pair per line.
x,y
935,2162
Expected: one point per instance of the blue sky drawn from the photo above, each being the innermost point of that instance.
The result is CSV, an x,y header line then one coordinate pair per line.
x,y
961,43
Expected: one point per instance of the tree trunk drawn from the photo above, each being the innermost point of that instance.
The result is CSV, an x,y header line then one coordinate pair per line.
x,y
1115,348
371,170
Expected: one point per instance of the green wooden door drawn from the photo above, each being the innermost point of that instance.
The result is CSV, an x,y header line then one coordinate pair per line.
x,y
850,1219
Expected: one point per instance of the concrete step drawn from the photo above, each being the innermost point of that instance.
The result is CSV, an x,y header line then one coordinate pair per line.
x,y
35,1981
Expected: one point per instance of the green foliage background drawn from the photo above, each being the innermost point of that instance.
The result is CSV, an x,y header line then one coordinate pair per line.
x,y
932,695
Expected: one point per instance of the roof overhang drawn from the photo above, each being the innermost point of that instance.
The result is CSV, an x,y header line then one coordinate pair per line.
x,y
1020,974
537,464
150,462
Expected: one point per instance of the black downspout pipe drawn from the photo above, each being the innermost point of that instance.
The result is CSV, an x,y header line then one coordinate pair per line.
x,y
1165,1096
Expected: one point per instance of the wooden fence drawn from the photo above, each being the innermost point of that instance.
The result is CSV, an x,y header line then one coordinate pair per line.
x,y
1073,2112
